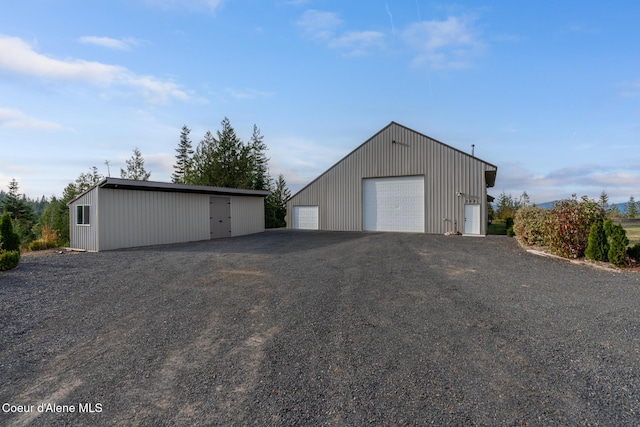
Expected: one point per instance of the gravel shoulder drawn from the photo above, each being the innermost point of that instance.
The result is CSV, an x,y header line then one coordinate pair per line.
x,y
320,328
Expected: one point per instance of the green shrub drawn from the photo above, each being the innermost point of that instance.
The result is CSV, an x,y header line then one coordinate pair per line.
x,y
618,242
40,244
634,252
9,240
597,246
529,225
508,222
48,239
510,232
567,226
9,259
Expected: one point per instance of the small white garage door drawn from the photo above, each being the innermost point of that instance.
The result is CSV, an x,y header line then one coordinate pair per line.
x,y
393,204
305,217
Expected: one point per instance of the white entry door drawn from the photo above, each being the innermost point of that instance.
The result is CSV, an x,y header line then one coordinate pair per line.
x,y
471,219
393,204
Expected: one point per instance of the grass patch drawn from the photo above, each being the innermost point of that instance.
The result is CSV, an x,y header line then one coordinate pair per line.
x,y
633,231
497,228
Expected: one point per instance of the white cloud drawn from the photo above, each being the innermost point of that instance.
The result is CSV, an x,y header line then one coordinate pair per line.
x,y
319,25
323,27
16,119
18,57
447,44
631,89
211,5
587,179
248,93
108,42
357,42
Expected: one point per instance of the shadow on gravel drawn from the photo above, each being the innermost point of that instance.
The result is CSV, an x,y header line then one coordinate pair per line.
x,y
271,242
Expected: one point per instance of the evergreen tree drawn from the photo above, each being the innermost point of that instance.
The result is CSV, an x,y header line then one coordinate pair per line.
x,y
87,180
183,158
204,168
604,201
276,204
9,239
597,246
506,206
259,161
135,168
614,212
618,242
632,208
232,158
20,210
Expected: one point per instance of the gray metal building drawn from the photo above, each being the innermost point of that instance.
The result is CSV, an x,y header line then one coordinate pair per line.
x,y
398,180
122,213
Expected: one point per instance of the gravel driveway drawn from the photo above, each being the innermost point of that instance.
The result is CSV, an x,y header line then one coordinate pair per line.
x,y
318,328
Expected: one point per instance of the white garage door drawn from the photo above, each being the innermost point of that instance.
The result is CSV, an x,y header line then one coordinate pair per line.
x,y
393,204
305,217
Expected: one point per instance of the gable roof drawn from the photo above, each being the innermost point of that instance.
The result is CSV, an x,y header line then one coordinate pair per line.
x,y
490,176
130,184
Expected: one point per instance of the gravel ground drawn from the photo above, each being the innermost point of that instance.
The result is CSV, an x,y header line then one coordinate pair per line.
x,y
317,328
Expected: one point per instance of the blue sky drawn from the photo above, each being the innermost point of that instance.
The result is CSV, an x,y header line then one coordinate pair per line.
x,y
548,91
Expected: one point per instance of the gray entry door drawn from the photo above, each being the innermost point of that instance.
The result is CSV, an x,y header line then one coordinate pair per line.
x,y
220,217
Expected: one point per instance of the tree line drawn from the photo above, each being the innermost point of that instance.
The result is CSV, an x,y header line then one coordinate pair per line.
x,y
220,160
507,205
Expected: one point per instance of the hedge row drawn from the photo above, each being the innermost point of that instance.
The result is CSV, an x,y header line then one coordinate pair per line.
x,y
574,228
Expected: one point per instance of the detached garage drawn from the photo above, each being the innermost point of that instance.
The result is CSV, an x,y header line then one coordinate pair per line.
x,y
121,213
400,181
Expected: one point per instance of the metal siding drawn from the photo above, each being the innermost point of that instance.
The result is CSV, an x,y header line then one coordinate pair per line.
x,y
447,171
131,218
247,215
85,236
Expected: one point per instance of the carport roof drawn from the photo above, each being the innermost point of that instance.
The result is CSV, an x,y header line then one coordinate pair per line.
x,y
130,184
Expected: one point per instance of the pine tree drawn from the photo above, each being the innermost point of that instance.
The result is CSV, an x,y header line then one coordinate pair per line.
x,y
259,161
231,157
204,168
632,208
597,246
604,201
618,242
20,211
183,158
135,168
9,239
87,180
276,204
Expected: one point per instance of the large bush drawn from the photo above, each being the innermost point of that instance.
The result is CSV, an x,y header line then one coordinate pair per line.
x,y
9,239
568,223
529,225
9,259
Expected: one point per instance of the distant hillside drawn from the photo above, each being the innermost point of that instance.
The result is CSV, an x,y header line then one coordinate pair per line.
x,y
622,207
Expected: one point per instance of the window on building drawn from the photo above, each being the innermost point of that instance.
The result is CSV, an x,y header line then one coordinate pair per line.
x,y
82,215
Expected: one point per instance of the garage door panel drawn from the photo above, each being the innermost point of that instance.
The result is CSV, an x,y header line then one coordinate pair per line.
x,y
305,217
393,204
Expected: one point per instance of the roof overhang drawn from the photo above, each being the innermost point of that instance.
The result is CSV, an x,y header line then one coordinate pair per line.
x,y
130,184
490,177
